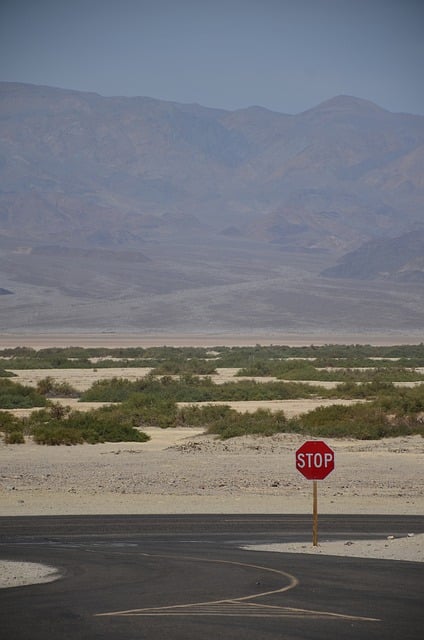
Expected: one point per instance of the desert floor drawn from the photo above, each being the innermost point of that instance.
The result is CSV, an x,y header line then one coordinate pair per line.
x,y
112,340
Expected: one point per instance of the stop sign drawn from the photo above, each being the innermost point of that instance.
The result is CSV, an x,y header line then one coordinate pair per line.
x,y
315,460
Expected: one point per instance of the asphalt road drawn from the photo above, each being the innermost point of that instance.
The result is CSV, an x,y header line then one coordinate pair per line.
x,y
186,578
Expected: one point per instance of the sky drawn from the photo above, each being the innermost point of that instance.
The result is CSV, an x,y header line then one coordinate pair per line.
x,y
285,55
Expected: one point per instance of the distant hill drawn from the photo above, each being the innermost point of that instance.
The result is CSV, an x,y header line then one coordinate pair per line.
x,y
395,258
203,202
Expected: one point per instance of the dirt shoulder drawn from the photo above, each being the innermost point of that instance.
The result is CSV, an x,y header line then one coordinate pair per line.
x,y
184,471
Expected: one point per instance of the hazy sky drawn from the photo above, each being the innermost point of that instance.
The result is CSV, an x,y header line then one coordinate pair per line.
x,y
286,55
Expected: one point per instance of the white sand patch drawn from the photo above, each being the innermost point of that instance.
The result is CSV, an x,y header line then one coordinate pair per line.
x,y
80,379
410,548
19,574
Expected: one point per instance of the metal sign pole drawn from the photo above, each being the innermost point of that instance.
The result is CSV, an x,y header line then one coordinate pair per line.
x,y
315,514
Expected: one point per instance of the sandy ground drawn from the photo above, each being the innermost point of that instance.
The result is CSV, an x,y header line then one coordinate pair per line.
x,y
112,340
80,379
184,471
19,574
407,548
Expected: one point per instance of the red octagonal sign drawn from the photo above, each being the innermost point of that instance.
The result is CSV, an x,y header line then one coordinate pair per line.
x,y
315,460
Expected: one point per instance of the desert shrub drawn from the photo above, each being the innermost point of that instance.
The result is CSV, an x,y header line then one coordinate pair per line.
x,y
203,416
12,428
261,422
189,388
56,434
259,356
45,385
151,410
6,374
403,400
14,396
305,370
16,352
50,387
14,437
362,390
364,421
107,424
114,390
192,366
7,420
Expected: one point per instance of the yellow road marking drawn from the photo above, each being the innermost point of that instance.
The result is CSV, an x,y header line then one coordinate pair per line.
x,y
241,606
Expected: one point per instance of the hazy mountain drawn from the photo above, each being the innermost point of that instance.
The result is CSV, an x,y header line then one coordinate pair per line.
x,y
395,258
170,214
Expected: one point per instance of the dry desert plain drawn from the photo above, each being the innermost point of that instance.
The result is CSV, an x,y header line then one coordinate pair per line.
x,y
186,471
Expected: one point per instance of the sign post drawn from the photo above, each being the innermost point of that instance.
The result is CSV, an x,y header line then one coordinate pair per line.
x,y
315,515
315,460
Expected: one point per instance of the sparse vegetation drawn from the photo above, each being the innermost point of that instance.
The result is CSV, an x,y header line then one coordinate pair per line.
x,y
107,424
17,396
229,423
181,375
6,374
193,366
195,389
338,372
361,421
51,388
197,360
12,428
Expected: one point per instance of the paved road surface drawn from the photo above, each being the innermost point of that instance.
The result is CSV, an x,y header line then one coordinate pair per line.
x,y
186,578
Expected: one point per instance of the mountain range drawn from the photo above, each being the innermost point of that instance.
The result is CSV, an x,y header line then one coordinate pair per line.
x,y
127,214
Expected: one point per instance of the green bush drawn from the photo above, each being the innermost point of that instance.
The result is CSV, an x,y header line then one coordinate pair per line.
x,y
107,424
152,400
193,366
12,428
365,390
50,387
261,422
258,358
14,437
189,388
16,396
56,434
364,421
404,400
305,370
150,410
203,416
6,374
114,390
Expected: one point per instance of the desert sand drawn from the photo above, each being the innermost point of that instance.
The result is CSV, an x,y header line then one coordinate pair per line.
x,y
182,470
112,339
